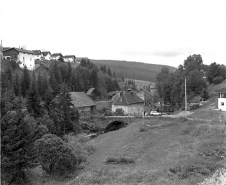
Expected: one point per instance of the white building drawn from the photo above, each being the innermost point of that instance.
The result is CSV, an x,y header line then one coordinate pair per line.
x,y
222,98
130,103
46,55
22,56
69,58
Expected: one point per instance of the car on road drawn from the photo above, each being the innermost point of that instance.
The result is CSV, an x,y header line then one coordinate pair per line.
x,y
155,113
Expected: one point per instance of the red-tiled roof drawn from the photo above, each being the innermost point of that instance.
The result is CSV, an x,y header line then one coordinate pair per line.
x,y
128,98
222,90
80,99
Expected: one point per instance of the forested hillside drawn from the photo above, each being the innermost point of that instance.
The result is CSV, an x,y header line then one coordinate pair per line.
x,y
133,70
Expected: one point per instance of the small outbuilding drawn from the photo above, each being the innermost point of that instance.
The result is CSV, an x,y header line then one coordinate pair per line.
x,y
85,105
221,98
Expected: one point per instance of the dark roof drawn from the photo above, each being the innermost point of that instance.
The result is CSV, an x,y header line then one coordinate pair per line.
x,y
21,50
80,99
128,98
45,53
222,90
37,52
69,56
90,91
56,54
5,48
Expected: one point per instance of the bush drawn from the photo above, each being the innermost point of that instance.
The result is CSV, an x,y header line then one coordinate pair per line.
x,y
218,80
55,155
119,160
119,112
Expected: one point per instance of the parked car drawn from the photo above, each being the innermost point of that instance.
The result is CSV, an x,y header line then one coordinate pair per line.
x,y
155,113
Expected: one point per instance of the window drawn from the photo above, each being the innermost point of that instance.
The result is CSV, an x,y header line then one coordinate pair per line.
x,y
222,103
23,59
30,59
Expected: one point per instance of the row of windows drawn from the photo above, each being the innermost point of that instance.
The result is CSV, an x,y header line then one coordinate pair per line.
x,y
24,59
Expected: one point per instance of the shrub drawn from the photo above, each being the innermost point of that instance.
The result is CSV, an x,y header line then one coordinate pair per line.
x,y
119,112
55,155
119,160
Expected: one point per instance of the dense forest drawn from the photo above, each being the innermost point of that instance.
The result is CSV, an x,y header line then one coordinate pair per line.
x,y
171,85
37,115
133,70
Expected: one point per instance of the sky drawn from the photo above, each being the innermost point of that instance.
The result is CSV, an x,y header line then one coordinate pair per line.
x,y
151,31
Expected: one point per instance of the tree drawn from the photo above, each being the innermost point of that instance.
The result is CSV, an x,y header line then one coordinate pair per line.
x,y
17,85
109,72
195,60
18,133
56,156
25,81
33,99
64,114
205,94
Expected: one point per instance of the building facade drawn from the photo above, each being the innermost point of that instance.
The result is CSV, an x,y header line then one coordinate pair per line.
x,y
222,99
69,58
130,103
22,56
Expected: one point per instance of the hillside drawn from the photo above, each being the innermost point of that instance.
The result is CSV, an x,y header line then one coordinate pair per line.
x,y
133,70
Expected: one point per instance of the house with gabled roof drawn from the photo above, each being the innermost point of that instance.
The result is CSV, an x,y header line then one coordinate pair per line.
x,y
69,58
46,55
83,103
57,56
221,98
20,55
38,54
130,103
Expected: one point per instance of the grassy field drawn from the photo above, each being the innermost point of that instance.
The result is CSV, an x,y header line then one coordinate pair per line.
x,y
158,151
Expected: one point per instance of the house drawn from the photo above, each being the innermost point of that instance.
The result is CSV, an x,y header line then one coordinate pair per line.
x,y
46,55
83,103
38,54
57,56
221,98
69,58
112,93
146,96
20,55
130,103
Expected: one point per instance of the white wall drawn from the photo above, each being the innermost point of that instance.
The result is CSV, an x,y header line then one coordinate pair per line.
x,y
220,101
38,57
55,58
68,60
131,110
27,59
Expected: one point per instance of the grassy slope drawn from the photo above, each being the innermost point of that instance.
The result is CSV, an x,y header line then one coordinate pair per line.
x,y
154,151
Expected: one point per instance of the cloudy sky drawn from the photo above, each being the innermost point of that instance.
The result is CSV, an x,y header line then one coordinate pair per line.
x,y
151,31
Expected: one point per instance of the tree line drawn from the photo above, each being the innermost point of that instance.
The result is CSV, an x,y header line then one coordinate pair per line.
x,y
171,86
37,114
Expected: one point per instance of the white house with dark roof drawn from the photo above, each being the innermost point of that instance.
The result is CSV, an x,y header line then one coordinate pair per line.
x,y
129,102
57,56
46,55
221,98
23,56
83,103
69,58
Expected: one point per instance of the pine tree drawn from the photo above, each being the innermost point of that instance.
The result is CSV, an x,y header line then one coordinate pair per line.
x,y
25,81
109,72
17,85
33,99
